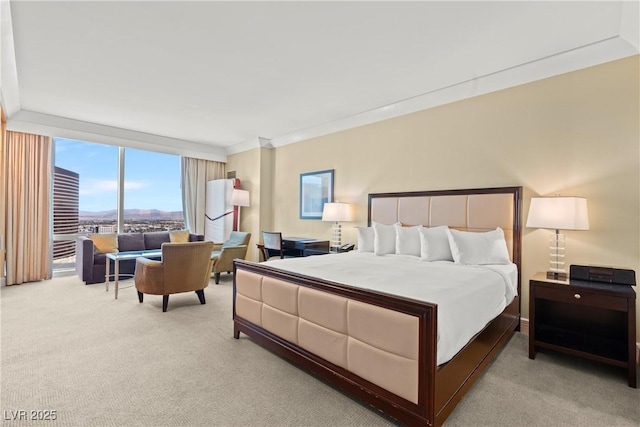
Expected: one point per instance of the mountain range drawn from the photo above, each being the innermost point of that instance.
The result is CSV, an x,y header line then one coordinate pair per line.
x,y
132,214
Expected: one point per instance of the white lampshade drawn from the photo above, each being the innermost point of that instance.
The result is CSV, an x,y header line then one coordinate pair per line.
x,y
240,198
336,212
559,213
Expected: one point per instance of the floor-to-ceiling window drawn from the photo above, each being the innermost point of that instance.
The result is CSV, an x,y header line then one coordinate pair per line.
x,y
91,171
86,182
152,195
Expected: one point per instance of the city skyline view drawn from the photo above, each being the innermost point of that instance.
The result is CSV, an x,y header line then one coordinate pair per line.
x,y
86,194
152,180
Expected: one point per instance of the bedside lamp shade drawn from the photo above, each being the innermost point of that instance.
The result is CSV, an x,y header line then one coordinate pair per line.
x,y
558,213
336,212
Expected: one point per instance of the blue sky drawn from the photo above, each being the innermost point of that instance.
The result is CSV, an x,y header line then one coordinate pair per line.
x,y
152,180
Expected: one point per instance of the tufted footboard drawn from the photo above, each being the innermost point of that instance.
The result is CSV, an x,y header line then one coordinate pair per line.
x,y
379,347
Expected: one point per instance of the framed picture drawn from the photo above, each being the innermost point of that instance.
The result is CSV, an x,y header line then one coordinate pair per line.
x,y
316,188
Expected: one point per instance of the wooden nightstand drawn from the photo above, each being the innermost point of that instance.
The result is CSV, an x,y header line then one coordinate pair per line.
x,y
591,320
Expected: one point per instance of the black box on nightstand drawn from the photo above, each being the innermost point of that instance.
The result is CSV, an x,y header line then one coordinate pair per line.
x,y
592,273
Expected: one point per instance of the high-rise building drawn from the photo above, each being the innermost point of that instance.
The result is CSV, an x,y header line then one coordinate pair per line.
x,y
65,210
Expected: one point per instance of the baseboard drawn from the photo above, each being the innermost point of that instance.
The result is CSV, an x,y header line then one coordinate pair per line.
x,y
524,328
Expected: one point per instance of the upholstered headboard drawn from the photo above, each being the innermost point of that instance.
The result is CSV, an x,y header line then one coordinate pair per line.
x,y
480,209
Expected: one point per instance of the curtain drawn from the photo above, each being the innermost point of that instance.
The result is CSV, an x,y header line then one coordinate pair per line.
x,y
25,196
195,174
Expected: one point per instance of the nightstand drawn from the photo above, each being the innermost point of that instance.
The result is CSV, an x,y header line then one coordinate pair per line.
x,y
592,320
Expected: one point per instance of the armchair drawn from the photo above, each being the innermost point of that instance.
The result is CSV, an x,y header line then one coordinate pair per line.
x,y
225,253
184,267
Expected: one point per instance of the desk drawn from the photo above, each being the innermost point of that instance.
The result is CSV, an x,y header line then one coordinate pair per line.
x,y
304,246
301,247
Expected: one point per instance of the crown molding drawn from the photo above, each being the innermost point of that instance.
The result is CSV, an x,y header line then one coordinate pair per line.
x,y
55,126
630,23
606,50
258,142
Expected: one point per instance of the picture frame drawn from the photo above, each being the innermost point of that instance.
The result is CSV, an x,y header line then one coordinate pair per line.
x,y
316,189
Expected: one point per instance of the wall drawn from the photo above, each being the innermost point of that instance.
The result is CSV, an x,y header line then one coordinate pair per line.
x,y
575,134
254,169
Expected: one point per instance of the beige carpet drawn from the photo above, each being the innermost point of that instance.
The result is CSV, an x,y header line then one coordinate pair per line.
x,y
97,361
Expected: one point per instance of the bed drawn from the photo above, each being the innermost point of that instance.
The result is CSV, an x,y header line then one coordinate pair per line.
x,y
378,344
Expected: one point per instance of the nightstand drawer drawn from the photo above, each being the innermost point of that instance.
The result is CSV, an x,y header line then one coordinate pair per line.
x,y
580,297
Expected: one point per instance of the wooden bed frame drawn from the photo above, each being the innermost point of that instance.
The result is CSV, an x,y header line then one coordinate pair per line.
x,y
439,388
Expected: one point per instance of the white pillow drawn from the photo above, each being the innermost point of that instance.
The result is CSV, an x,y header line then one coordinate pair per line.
x,y
384,240
479,248
365,239
407,240
434,244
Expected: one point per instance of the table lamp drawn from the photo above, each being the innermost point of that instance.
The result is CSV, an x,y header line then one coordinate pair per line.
x,y
336,212
558,213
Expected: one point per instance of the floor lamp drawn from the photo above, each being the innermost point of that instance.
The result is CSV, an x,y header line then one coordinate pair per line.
x,y
240,198
336,212
558,213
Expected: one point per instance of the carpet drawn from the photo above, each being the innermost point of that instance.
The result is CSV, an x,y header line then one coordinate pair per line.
x,y
96,361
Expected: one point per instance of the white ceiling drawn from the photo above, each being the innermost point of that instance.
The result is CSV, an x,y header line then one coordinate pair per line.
x,y
219,77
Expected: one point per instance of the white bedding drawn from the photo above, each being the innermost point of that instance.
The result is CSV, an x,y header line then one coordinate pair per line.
x,y
468,297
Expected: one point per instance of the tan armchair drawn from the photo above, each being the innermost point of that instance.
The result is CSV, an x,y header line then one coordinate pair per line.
x,y
185,267
235,247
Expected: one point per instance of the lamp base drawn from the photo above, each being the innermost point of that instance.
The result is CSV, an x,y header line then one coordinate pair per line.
x,y
556,276
335,241
556,257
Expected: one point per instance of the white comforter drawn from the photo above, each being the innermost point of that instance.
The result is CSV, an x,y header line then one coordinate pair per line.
x,y
468,297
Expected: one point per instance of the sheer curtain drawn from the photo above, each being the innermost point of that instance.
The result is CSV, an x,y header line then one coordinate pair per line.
x,y
25,194
195,174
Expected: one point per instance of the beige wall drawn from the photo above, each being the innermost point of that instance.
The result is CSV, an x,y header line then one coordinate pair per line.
x,y
576,134
254,169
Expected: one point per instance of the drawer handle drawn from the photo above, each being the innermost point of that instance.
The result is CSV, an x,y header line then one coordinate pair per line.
x,y
577,296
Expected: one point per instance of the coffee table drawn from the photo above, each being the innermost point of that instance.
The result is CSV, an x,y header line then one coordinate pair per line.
x,y
119,256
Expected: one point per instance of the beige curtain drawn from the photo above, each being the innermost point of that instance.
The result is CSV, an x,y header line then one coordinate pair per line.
x,y
25,194
195,174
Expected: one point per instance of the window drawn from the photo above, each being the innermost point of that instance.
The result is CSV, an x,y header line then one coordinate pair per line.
x,y
152,195
85,196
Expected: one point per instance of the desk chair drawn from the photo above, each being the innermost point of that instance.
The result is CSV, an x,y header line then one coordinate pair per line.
x,y
272,245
